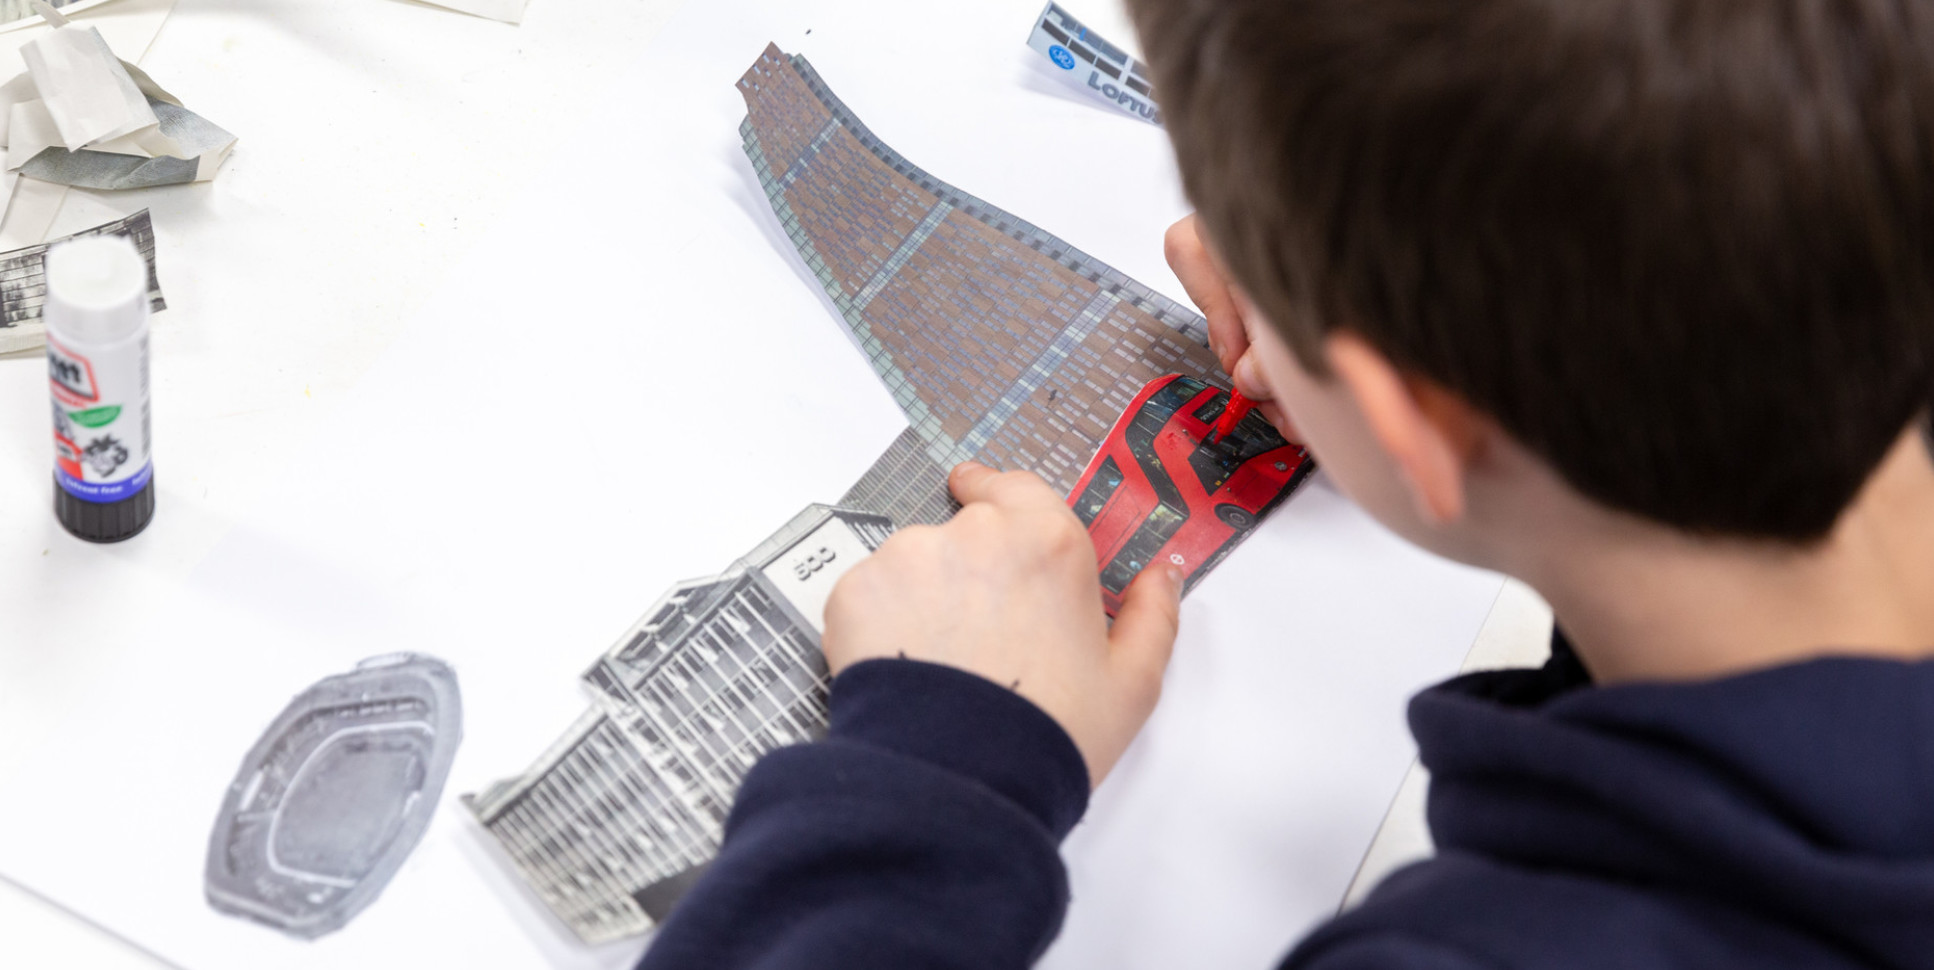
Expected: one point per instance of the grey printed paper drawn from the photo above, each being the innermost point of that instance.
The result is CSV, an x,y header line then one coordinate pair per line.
x,y
1088,61
23,280
25,13
334,796
185,148
81,116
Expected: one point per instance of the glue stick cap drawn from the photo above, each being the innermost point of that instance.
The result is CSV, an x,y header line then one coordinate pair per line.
x,y
97,290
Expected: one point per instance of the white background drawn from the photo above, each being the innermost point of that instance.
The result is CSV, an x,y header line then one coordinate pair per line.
x,y
483,337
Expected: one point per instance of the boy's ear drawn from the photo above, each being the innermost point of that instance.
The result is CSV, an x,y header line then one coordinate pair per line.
x,y
1429,432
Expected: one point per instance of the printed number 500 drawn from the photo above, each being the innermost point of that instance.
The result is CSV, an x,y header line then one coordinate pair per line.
x,y
805,568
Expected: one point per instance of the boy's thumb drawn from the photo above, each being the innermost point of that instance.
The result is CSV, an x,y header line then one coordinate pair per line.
x,y
1151,611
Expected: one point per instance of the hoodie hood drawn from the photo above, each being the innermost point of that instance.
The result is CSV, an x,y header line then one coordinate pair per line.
x,y
1801,794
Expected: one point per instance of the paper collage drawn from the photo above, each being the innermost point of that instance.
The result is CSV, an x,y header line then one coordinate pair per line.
x,y
1001,342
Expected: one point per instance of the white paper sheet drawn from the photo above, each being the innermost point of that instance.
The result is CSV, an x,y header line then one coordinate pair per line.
x,y
546,449
110,125
21,14
128,25
21,88
30,131
88,92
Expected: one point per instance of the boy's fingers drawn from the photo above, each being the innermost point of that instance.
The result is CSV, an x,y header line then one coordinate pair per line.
x,y
1150,614
1247,377
1201,282
971,482
1207,288
1227,338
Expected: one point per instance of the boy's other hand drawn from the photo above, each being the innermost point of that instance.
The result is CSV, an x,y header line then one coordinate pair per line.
x,y
1208,287
1008,589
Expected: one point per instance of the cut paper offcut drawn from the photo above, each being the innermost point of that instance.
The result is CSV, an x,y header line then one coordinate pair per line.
x,y
23,280
1086,60
88,93
80,116
16,14
335,795
183,147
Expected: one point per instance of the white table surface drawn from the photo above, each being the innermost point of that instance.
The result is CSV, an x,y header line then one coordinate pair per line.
x,y
36,933
380,139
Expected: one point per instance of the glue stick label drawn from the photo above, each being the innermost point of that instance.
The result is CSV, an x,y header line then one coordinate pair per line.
x,y
100,417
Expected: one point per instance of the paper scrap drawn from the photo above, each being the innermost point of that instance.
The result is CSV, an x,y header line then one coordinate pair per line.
x,y
80,116
23,280
330,802
21,88
1087,60
30,131
49,12
88,92
15,14
183,147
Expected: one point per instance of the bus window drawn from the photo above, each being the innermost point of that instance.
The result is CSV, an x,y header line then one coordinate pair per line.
x,y
1207,413
1100,489
1154,533
1253,436
1173,395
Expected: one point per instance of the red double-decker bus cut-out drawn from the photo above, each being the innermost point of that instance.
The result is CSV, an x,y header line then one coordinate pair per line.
x,y
1158,490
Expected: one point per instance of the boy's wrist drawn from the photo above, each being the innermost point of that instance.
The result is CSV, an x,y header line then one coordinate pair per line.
x,y
966,724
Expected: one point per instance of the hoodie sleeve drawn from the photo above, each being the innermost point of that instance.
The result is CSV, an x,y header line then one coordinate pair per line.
x,y
1393,951
924,831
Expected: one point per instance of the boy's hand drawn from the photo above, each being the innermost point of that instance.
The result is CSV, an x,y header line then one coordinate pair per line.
x,y
1209,288
1008,590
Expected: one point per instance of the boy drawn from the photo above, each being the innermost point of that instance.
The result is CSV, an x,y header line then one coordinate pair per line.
x,y
1632,300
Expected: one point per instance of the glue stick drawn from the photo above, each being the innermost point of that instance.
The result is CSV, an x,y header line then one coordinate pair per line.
x,y
96,312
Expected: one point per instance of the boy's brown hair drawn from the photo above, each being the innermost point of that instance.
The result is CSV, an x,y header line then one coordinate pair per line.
x,y
1683,249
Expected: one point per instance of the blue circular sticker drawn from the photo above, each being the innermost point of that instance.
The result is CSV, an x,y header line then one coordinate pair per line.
x,y
1060,56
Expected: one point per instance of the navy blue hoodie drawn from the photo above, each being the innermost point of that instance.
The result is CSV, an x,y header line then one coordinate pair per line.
x,y
1783,818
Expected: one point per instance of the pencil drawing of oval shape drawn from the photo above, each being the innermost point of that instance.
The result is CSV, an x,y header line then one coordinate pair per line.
x,y
335,795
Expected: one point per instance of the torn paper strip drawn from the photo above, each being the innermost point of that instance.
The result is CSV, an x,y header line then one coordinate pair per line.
x,y
23,280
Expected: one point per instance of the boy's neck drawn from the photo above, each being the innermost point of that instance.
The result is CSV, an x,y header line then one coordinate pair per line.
x,y
1642,602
